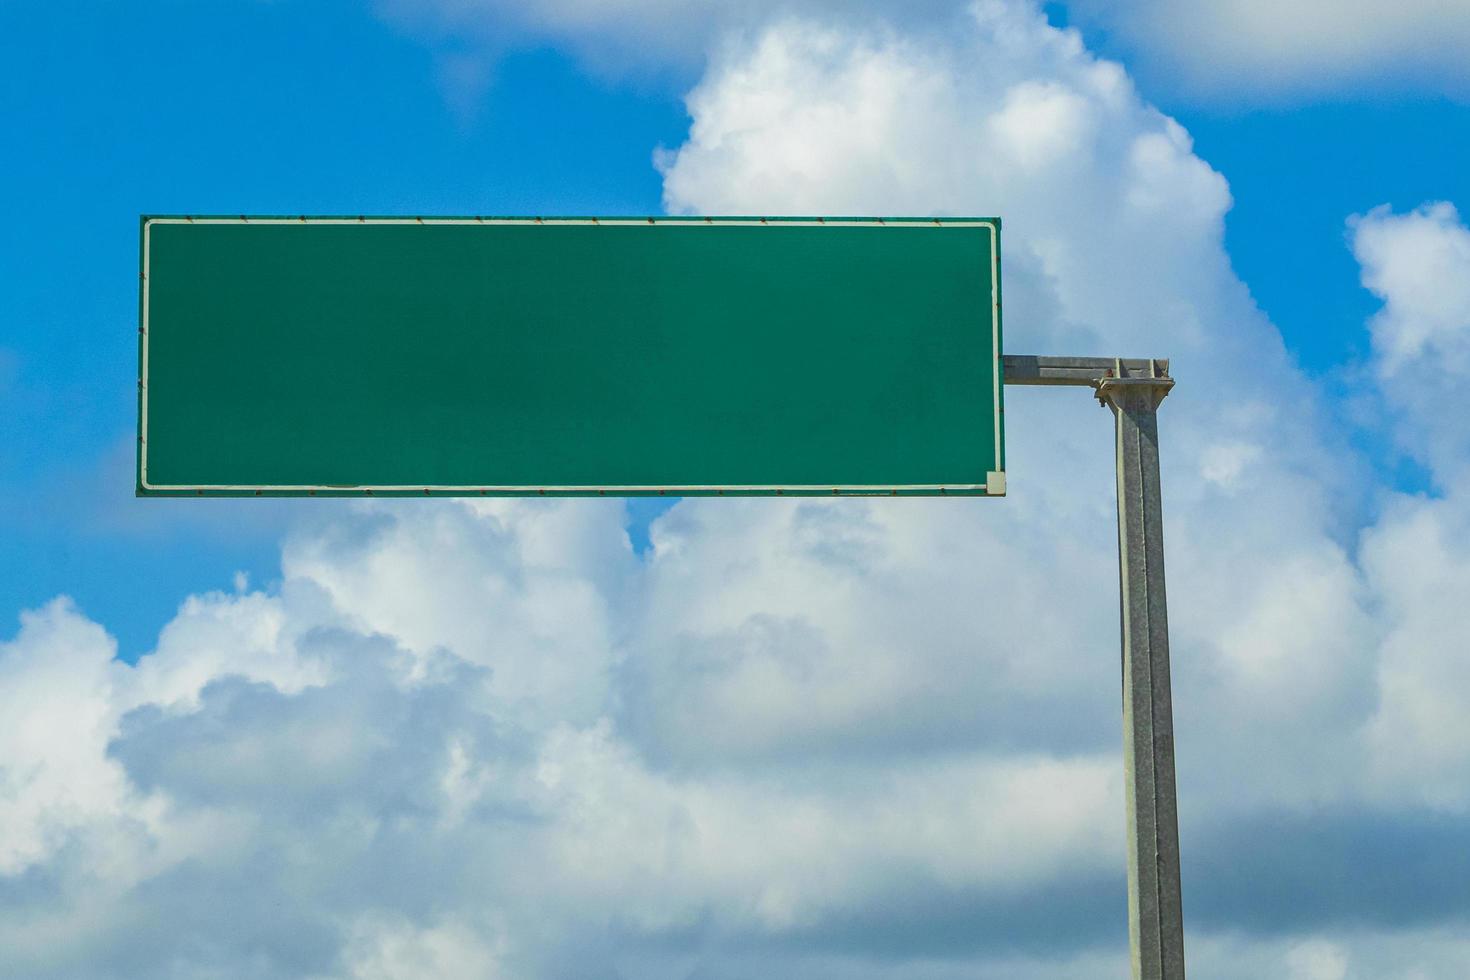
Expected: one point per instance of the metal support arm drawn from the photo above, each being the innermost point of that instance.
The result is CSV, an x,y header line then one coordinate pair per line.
x,y
1085,372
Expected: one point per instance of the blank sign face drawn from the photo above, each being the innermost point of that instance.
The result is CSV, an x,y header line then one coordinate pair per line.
x,y
570,356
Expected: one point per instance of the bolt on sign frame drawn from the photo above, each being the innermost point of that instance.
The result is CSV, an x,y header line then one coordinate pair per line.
x,y
283,356
570,356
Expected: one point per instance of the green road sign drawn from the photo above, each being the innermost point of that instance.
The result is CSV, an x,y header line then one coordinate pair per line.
x,y
521,356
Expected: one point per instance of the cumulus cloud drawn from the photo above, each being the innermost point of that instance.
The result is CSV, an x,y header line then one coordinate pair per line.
x,y
1113,245
1419,265
58,709
1253,49
872,738
337,802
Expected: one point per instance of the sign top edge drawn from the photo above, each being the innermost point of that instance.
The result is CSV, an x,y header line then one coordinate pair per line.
x,y
921,220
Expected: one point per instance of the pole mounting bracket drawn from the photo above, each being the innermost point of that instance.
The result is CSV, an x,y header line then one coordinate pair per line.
x,y
1112,388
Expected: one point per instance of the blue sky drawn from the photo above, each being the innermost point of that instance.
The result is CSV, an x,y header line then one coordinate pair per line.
x,y
1357,468
279,108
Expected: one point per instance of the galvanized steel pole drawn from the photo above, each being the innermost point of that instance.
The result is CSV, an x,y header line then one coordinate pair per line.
x,y
1133,390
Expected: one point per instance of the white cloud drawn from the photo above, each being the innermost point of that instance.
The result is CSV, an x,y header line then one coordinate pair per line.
x,y
491,584
390,821
1317,960
1419,264
1113,246
1419,562
1410,954
1234,49
872,738
398,950
58,705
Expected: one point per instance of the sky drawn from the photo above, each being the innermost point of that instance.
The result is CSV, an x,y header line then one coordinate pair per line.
x,y
712,739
